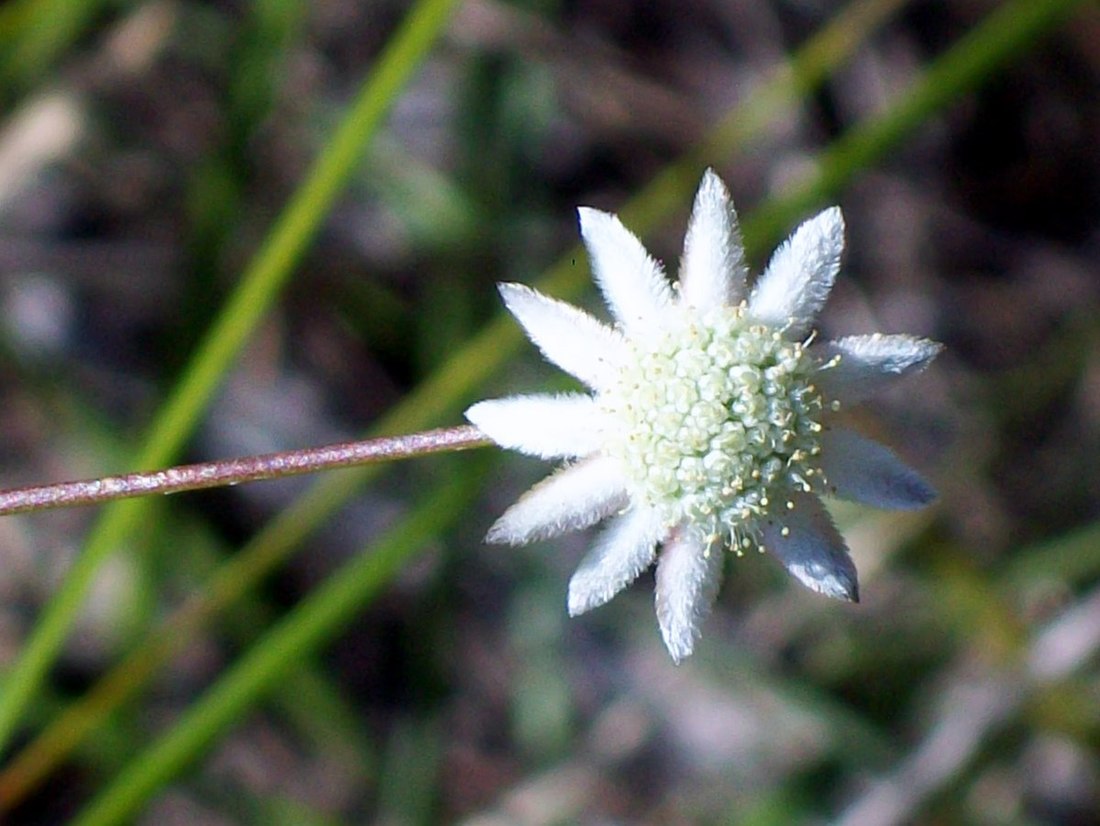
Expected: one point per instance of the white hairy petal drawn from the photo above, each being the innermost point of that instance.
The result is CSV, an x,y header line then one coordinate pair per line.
x,y
712,271
632,282
562,426
570,338
856,367
570,499
864,471
688,575
806,541
620,554
797,281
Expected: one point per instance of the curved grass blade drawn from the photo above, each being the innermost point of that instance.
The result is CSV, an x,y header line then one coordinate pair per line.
x,y
33,33
1006,33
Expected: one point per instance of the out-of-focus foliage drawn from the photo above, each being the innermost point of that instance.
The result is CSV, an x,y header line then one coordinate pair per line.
x,y
252,656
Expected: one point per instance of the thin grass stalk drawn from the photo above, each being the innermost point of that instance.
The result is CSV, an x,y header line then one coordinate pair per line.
x,y
33,33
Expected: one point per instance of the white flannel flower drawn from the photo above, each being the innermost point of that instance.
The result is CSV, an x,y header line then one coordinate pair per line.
x,y
711,422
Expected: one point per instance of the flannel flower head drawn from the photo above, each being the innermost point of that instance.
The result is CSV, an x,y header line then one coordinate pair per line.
x,y
712,419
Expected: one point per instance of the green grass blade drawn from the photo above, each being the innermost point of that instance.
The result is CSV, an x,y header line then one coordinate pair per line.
x,y
1003,35
34,33
260,285
309,625
316,710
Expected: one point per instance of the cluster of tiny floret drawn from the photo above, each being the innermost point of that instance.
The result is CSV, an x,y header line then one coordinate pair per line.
x,y
715,422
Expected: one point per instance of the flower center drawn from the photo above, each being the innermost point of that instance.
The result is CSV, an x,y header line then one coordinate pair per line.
x,y
715,423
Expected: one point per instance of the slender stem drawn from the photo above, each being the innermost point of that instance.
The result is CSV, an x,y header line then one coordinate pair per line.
x,y
235,471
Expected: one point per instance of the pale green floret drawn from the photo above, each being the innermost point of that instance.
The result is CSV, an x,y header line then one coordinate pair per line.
x,y
715,423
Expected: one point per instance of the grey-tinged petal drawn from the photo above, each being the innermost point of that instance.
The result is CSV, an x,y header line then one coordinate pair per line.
x,y
864,471
563,426
856,367
621,553
570,338
712,272
808,544
689,572
797,281
568,500
632,282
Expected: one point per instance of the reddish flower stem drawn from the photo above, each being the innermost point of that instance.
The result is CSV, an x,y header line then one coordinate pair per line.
x,y
235,471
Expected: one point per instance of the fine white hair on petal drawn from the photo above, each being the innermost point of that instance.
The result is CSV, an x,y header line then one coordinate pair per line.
x,y
806,541
864,471
625,549
689,572
570,338
632,282
800,274
570,499
856,367
563,426
712,271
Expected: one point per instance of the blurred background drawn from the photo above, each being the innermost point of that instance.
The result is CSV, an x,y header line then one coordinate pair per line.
x,y
148,151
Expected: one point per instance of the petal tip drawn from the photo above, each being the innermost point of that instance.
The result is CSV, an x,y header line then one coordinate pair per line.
x,y
918,489
932,350
680,646
713,185
579,601
813,551
904,490
499,534
510,292
830,224
920,492
845,587
924,352
835,584
476,412
590,216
